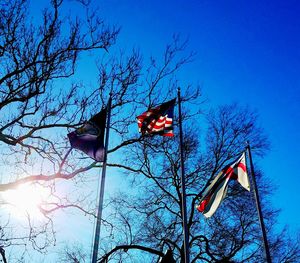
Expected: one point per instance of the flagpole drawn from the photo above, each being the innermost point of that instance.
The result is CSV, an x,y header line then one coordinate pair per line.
x,y
100,204
183,195
258,206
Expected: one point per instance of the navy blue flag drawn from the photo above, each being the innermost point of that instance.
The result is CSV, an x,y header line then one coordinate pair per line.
x,y
89,138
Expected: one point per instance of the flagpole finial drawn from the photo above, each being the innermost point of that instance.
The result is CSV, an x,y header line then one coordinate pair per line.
x,y
247,144
178,94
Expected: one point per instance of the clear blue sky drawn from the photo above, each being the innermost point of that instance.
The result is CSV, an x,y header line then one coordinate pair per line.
x,y
247,52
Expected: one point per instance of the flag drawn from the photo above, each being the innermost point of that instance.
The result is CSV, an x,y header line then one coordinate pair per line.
x,y
216,190
158,120
89,138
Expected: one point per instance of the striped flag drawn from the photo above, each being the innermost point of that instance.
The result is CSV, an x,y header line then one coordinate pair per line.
x,y
216,190
158,120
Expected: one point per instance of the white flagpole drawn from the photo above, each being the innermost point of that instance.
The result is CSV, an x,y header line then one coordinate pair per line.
x,y
100,205
183,195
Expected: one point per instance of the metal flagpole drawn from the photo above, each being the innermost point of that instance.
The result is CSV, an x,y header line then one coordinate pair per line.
x,y
100,205
258,206
183,195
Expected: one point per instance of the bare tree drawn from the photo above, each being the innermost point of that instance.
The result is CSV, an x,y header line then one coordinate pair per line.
x,y
32,59
151,215
37,112
73,254
36,54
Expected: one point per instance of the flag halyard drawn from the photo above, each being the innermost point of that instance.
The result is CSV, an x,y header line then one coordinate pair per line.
x,y
158,120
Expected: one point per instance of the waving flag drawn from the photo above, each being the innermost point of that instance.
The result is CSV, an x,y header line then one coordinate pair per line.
x,y
89,138
158,120
216,190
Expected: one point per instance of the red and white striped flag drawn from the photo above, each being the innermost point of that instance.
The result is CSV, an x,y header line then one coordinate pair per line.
x,y
158,120
216,190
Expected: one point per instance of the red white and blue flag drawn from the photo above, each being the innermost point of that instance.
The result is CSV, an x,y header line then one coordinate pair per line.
x,y
89,138
158,120
216,190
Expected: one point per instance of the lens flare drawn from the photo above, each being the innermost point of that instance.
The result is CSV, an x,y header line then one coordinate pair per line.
x,y
25,200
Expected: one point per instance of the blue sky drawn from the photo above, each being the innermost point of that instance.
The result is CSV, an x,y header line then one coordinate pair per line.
x,y
247,52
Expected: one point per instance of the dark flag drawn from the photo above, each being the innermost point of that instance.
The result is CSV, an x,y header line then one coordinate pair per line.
x,y
167,258
89,138
158,120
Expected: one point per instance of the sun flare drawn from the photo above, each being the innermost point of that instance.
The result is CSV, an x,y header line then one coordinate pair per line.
x,y
26,199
